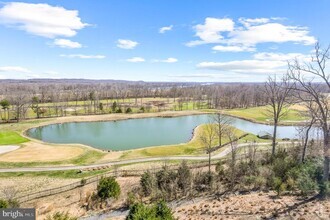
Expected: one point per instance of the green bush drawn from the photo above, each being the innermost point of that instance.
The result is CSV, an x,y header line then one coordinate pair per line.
x,y
3,204
306,184
278,185
158,211
61,216
147,183
128,110
108,187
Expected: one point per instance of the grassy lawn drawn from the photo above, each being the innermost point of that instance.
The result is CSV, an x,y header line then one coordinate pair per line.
x,y
11,137
261,114
193,147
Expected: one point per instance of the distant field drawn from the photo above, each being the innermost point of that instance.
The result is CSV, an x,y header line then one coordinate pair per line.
x,y
11,137
262,114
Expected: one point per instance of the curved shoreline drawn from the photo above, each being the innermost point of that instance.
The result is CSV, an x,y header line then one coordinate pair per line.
x,y
122,117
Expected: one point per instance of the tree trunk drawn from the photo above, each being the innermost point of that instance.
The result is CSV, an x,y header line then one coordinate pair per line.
x,y
326,146
305,145
210,162
274,138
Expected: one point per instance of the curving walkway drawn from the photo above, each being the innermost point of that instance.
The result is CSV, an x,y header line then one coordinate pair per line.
x,y
222,154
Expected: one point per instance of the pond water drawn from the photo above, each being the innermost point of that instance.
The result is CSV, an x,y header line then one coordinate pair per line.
x,y
138,133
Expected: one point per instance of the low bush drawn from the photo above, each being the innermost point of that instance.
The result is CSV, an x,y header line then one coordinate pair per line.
x,y
158,211
61,216
107,188
3,204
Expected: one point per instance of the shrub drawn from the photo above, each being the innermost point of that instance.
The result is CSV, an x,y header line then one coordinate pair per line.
x,y
203,181
119,110
131,199
13,203
278,185
184,177
306,184
165,177
108,187
3,204
158,211
61,216
163,211
147,183
220,169
128,110
83,181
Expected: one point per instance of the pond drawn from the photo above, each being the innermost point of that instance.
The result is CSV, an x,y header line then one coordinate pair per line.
x,y
138,133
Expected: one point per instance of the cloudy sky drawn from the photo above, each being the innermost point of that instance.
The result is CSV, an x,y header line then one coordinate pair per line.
x,y
164,40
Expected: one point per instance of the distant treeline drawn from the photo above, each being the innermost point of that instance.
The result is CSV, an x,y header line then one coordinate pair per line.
x,y
50,97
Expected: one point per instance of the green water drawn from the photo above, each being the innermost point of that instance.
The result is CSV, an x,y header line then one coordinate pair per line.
x,y
138,133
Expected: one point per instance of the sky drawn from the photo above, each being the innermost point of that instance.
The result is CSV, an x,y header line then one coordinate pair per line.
x,y
163,40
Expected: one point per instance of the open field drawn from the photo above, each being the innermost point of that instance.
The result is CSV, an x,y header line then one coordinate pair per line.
x,y
261,114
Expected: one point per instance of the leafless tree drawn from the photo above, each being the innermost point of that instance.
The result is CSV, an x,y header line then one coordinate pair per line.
x,y
222,123
208,139
307,77
277,93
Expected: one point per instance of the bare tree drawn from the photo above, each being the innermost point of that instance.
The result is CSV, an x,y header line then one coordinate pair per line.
x,y
277,93
222,125
305,130
307,77
208,138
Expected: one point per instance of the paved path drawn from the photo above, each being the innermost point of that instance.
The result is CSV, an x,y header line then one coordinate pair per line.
x,y
8,148
61,168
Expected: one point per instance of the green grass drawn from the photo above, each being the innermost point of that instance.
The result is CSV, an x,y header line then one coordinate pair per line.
x,y
11,137
193,147
261,114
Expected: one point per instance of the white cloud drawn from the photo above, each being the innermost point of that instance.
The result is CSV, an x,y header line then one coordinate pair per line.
x,y
233,48
266,63
162,30
245,66
126,44
41,19
136,60
210,31
16,69
280,56
253,21
247,33
271,33
65,43
82,56
168,60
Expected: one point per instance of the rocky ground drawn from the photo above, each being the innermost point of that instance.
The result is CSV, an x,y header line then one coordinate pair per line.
x,y
257,205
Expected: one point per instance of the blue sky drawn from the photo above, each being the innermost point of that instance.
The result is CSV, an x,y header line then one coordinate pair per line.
x,y
195,40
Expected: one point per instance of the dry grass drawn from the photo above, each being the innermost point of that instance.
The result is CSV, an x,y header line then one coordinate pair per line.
x,y
39,152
